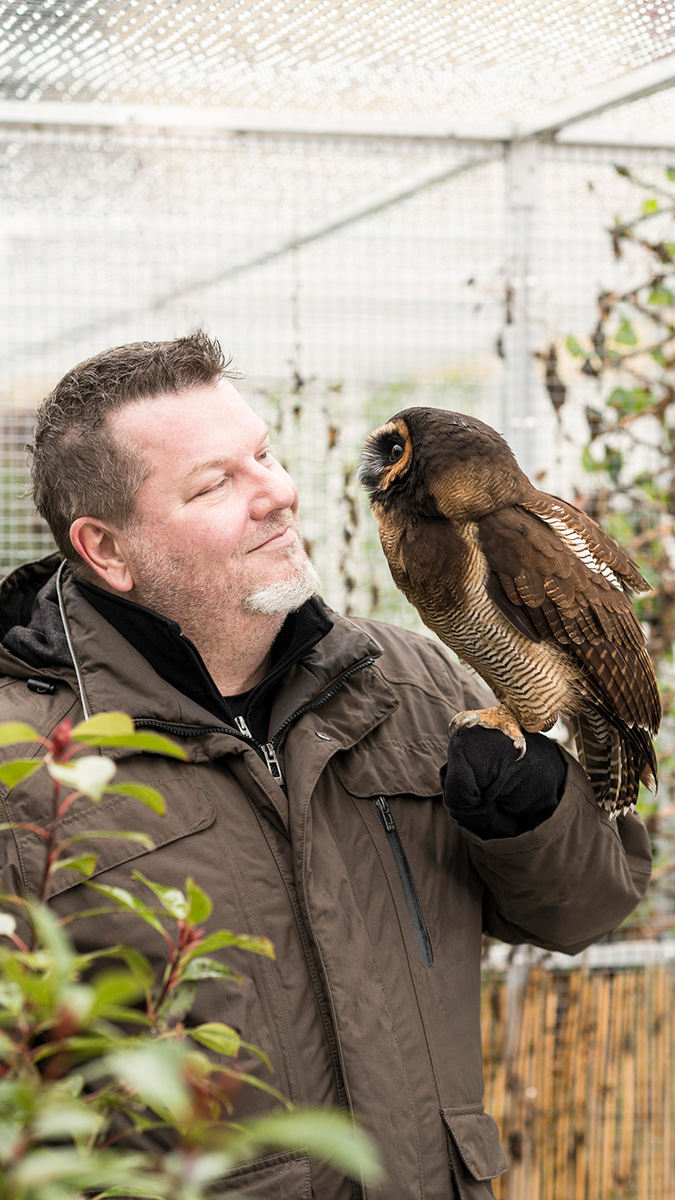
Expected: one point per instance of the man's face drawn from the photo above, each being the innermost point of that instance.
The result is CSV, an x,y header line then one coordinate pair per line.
x,y
217,531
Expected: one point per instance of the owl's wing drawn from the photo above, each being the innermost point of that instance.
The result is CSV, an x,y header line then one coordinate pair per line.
x,y
554,571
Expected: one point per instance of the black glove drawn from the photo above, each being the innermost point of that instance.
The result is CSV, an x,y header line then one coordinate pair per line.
x,y
494,793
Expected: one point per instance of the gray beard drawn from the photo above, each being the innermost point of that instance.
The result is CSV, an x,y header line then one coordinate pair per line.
x,y
285,596
164,584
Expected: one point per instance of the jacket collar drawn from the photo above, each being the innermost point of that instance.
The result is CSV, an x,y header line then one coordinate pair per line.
x,y
176,659
112,675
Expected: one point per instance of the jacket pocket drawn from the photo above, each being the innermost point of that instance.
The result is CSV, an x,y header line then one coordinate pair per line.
x,y
277,1177
476,1153
121,813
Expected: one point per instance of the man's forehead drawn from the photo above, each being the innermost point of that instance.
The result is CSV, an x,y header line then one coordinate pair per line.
x,y
191,418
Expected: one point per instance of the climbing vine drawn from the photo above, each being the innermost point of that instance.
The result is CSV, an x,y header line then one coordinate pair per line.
x,y
629,455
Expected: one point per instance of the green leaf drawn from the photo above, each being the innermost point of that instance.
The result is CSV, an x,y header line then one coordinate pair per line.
x,y
20,768
53,939
670,173
207,968
573,347
630,400
61,1116
660,295
142,741
200,906
7,924
16,731
38,1173
216,1036
626,335
243,941
124,900
155,1073
85,864
137,963
659,357
179,1001
171,899
331,1137
105,724
90,775
11,997
139,791
650,205
126,835
114,987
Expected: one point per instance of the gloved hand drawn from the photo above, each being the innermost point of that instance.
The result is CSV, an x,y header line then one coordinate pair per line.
x,y
494,793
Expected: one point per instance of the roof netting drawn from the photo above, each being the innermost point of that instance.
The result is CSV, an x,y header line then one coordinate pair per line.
x,y
467,59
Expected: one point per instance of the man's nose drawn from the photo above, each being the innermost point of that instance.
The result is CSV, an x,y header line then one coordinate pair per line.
x,y
275,490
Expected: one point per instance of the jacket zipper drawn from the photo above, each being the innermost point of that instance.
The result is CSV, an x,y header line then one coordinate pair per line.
x,y
410,894
269,749
269,753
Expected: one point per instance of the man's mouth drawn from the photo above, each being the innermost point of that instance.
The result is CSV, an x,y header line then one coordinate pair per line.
x,y
279,540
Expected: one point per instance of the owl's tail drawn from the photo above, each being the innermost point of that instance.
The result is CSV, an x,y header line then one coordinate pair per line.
x,y
616,758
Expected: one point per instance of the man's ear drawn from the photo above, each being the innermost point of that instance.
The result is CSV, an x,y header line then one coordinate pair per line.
x,y
101,548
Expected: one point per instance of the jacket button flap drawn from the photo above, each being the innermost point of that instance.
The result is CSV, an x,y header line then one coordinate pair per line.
x,y
476,1137
390,768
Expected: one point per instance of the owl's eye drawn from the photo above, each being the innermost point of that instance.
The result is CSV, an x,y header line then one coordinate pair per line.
x,y
395,452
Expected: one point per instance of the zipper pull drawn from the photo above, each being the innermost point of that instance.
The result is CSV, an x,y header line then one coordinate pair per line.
x,y
385,812
242,726
272,762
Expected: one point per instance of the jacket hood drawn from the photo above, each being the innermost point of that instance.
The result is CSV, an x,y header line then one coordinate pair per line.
x,y
31,628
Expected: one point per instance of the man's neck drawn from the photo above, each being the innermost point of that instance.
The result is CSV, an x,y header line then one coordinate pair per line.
x,y
239,659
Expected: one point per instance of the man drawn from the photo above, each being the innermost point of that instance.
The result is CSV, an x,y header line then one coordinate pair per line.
x,y
312,809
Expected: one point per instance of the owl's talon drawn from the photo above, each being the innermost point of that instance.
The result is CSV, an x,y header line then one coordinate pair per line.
x,y
491,718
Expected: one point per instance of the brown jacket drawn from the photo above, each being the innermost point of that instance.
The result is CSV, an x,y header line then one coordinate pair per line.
x,y
374,898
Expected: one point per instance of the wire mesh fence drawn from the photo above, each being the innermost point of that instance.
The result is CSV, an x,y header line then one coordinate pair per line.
x,y
349,278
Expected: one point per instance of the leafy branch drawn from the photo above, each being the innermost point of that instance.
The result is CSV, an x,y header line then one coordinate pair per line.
x,y
95,1046
629,455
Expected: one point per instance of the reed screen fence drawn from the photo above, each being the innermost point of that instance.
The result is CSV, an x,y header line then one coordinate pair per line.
x,y
579,1071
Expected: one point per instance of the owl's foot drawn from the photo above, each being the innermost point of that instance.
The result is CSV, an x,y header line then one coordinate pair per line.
x,y
491,718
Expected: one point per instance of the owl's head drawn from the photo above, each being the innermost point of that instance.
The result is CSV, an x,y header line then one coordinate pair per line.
x,y
432,462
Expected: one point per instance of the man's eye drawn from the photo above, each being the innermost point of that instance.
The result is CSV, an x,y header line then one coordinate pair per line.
x,y
213,487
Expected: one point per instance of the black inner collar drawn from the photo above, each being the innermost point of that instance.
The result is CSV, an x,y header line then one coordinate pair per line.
x,y
176,659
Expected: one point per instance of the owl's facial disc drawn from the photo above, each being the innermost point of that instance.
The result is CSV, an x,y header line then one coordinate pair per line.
x,y
386,456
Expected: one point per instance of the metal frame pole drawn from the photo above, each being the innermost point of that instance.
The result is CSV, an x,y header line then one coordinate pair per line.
x,y
519,383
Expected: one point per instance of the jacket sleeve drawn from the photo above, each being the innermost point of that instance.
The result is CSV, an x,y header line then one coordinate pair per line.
x,y
568,882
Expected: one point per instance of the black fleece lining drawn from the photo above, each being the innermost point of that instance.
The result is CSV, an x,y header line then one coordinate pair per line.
x,y
178,662
35,632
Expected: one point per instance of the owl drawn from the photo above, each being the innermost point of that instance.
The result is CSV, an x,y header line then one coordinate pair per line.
x,y
525,588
